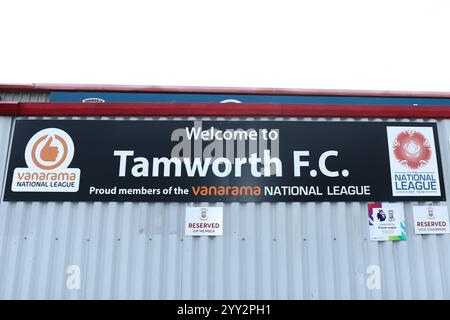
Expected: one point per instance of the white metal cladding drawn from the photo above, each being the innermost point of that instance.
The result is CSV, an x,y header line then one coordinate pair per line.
x,y
268,250
24,96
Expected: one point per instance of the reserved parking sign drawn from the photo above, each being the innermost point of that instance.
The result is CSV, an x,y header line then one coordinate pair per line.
x,y
204,221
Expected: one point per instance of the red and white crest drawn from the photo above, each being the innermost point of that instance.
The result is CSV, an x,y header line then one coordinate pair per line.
x,y
412,149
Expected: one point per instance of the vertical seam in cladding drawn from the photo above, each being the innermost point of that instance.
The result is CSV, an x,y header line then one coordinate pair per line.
x,y
87,238
18,274
258,263
6,156
441,264
147,248
68,252
3,250
54,250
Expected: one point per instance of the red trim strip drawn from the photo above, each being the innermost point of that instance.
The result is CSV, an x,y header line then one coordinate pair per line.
x,y
221,109
222,90
9,108
16,87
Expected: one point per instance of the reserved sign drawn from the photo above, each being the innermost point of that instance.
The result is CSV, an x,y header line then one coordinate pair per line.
x,y
204,221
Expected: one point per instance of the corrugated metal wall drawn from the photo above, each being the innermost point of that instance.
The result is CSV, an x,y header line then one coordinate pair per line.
x,y
25,96
268,250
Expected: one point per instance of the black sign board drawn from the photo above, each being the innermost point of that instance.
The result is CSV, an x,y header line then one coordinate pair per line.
x,y
223,161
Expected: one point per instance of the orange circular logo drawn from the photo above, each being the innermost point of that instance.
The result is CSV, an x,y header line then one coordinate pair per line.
x,y
49,149
49,153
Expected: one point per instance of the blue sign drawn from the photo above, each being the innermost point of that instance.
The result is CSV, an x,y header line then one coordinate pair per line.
x,y
70,96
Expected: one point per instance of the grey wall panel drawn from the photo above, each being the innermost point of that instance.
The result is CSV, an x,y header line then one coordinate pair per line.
x,y
268,250
24,96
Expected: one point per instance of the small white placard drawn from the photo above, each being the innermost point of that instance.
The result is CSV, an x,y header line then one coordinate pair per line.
x,y
430,219
204,221
386,221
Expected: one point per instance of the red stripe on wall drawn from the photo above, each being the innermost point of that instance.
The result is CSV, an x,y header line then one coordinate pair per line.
x,y
9,108
221,109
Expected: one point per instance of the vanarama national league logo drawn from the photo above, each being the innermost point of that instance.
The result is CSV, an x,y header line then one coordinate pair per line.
x,y
48,155
413,162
